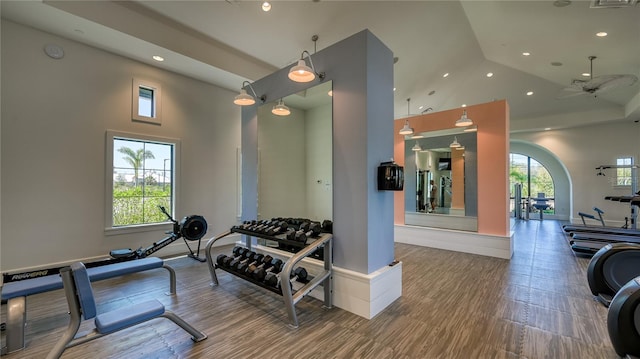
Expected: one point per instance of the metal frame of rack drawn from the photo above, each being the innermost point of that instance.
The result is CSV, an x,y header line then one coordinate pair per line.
x,y
290,297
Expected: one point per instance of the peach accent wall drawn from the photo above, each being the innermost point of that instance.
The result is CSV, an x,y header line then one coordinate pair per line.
x,y
457,179
492,120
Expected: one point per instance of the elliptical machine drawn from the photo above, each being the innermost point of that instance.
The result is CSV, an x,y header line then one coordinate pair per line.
x,y
623,320
611,268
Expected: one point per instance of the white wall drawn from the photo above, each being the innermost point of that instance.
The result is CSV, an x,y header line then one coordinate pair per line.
x,y
55,114
581,150
319,161
281,176
294,154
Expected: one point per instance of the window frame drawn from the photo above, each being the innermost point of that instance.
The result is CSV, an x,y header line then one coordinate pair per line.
x,y
156,103
112,135
616,183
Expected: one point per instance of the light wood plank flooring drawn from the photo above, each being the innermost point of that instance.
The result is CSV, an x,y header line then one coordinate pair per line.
x,y
454,305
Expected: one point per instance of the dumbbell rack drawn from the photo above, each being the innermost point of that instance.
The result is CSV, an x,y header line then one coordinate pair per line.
x,y
290,298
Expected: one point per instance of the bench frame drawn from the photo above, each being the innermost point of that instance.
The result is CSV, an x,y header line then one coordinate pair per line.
x,y
17,308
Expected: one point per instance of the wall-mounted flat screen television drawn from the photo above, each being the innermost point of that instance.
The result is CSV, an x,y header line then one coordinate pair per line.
x,y
444,164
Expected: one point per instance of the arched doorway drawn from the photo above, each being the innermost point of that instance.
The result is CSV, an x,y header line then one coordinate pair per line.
x,y
549,176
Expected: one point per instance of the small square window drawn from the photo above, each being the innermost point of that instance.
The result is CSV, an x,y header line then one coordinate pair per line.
x,y
146,102
623,171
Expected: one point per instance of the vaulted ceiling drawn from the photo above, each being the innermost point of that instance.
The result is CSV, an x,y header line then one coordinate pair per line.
x,y
226,42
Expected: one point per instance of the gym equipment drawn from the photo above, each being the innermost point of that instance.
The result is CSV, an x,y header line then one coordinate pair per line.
x,y
247,256
82,304
190,228
254,260
623,320
611,268
275,266
323,243
15,293
274,280
590,243
266,261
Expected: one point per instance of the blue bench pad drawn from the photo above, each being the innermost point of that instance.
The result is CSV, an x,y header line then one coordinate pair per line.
x,y
125,317
122,268
33,286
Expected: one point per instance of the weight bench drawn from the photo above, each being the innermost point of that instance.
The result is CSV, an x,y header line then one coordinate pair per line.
x,y
77,289
15,293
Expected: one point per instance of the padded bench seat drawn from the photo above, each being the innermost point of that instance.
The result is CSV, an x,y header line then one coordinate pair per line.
x,y
16,292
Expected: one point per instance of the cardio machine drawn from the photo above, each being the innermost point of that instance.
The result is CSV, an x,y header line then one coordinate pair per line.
x,y
611,268
623,320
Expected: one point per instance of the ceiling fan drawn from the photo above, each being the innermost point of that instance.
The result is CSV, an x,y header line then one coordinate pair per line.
x,y
596,85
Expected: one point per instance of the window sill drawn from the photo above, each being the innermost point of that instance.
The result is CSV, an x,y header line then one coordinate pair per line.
x,y
141,228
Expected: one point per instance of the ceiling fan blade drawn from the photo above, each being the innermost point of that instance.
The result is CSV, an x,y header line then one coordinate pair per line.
x,y
571,92
607,82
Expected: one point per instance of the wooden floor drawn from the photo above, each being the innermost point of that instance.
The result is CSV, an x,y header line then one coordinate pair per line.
x,y
454,305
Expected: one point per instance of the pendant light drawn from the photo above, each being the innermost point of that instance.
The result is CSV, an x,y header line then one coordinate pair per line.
x,y
406,130
455,143
464,121
303,73
244,99
416,147
281,109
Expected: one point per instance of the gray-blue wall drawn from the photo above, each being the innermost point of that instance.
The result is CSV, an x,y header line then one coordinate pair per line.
x,y
361,68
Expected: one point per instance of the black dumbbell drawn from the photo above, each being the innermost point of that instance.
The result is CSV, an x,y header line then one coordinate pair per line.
x,y
244,265
327,226
273,280
223,260
246,256
264,261
275,266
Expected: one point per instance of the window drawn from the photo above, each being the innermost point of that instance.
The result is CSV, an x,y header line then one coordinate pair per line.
x,y
623,171
533,176
145,100
142,176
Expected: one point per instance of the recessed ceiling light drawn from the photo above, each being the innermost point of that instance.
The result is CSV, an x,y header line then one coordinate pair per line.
x,y
158,58
561,3
445,75
266,6
464,105
547,128
529,93
526,53
489,74
601,34
586,74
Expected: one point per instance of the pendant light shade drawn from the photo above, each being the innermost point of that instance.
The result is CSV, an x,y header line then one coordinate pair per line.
x,y
464,121
244,99
416,147
406,130
301,72
455,143
281,109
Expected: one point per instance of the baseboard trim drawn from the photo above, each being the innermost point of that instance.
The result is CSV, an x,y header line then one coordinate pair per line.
x,y
459,241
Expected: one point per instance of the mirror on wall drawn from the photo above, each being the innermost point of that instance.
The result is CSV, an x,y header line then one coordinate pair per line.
x,y
295,156
441,180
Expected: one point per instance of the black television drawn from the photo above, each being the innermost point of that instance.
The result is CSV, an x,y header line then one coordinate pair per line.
x,y
444,164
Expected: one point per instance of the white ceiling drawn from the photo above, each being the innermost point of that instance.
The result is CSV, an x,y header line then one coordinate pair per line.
x,y
226,42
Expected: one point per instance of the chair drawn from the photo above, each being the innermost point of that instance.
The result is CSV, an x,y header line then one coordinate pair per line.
x,y
77,289
540,203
